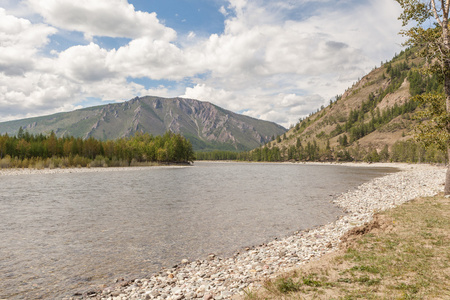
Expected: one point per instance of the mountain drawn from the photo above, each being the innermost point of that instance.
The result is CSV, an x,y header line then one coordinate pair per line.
x,y
206,125
373,120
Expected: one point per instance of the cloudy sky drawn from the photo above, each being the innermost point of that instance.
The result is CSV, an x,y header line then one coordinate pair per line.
x,y
270,59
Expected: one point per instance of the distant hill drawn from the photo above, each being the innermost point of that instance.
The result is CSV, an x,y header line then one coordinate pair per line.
x,y
207,126
372,121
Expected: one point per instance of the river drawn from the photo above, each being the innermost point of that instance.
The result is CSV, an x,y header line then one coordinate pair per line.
x,y
71,232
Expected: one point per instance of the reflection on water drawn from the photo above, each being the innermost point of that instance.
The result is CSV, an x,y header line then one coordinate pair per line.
x,y
66,233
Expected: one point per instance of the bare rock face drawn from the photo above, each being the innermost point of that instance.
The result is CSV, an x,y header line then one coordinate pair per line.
x,y
206,125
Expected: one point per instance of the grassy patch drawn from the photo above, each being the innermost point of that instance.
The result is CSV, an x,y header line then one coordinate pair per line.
x,y
407,258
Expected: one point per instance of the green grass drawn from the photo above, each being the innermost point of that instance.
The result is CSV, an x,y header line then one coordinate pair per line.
x,y
408,259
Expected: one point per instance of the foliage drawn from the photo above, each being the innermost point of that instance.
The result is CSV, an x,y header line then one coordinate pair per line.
x,y
432,130
422,83
262,154
26,150
216,155
343,140
357,128
286,285
414,152
434,45
429,40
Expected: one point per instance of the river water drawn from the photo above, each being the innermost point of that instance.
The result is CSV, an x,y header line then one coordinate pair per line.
x,y
71,232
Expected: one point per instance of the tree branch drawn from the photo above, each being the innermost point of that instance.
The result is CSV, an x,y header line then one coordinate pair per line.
x,y
436,16
447,5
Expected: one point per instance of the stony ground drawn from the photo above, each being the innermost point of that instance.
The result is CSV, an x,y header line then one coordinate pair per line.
x,y
26,171
226,278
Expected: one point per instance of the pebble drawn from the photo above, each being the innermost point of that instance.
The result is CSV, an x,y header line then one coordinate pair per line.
x,y
27,171
223,278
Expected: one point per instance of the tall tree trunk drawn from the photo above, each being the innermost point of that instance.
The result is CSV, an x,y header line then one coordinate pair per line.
x,y
447,100
447,105
446,65
447,177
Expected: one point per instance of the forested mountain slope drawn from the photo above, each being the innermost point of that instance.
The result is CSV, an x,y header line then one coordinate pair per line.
x,y
374,120
207,126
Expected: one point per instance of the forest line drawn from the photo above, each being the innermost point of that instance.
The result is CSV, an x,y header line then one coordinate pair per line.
x,y
39,151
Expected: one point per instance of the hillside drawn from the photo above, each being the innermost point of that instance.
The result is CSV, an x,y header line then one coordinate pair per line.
x,y
207,126
372,121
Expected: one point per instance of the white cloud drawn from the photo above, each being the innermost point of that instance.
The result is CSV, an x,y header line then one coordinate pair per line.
x,y
20,32
19,42
35,94
33,83
319,56
145,57
219,97
223,11
275,60
84,64
285,109
112,18
191,35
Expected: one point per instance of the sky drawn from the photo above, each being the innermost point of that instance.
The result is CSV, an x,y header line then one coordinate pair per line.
x,y
268,59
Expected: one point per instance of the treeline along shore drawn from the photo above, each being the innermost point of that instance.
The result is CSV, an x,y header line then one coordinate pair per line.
x,y
408,151
40,151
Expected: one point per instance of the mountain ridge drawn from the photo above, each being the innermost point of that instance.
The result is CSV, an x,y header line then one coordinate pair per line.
x,y
208,126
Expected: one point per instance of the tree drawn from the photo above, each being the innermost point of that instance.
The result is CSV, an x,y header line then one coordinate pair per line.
x,y
52,144
384,154
20,134
23,149
434,45
3,140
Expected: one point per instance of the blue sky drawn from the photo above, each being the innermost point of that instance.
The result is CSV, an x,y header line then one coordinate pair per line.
x,y
201,16
274,60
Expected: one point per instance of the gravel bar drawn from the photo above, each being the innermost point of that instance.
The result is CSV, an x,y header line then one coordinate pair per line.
x,y
26,171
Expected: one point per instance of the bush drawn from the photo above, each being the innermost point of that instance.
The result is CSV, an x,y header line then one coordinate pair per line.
x,y
372,156
99,162
287,285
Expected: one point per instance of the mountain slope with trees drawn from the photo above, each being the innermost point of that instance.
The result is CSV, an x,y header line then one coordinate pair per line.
x,y
207,126
374,120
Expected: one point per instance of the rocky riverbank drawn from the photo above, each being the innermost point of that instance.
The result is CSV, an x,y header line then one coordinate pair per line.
x,y
226,278
27,171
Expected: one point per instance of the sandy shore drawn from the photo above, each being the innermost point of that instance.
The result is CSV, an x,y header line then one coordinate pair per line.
x,y
227,278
